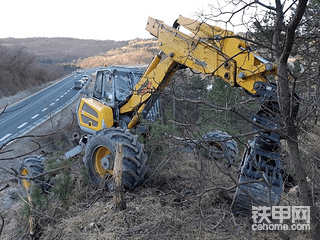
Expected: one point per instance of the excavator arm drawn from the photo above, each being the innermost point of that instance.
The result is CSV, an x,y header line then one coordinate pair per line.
x,y
218,52
212,51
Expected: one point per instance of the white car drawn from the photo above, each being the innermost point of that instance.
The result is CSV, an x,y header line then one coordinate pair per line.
x,y
78,84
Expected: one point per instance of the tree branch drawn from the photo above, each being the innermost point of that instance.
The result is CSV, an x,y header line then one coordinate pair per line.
x,y
265,6
234,110
25,154
301,7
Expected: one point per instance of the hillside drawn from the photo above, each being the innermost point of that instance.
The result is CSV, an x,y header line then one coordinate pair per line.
x,y
31,62
137,51
61,50
186,195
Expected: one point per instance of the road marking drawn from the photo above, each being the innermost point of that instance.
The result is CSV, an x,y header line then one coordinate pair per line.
x,y
61,96
4,137
23,124
35,116
57,99
51,104
44,109
52,91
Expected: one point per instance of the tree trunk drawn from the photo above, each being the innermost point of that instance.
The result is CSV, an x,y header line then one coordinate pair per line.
x,y
117,175
291,132
301,177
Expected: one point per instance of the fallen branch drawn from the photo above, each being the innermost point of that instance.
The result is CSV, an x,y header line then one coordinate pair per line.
x,y
230,188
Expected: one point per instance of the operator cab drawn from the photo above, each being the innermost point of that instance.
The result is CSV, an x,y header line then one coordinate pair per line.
x,y
114,85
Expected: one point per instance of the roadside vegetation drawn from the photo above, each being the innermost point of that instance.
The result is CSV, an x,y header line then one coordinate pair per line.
x,y
30,62
20,70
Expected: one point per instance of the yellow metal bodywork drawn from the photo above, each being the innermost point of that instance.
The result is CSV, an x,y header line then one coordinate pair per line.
x,y
211,50
101,152
94,115
155,78
25,183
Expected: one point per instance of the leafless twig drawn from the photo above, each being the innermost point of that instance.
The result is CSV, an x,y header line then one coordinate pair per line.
x,y
44,173
25,154
6,186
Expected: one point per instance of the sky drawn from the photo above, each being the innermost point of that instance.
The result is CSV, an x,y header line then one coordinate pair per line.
x,y
94,19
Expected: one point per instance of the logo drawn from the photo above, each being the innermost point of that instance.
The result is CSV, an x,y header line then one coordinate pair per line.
x,y
278,218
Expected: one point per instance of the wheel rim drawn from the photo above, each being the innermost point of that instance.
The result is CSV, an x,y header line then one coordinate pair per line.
x,y
101,153
25,183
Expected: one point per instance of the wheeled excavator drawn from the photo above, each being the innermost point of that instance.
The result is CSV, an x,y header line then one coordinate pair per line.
x,y
122,96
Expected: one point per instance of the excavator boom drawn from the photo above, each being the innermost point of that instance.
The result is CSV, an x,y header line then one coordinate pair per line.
x,y
209,50
213,51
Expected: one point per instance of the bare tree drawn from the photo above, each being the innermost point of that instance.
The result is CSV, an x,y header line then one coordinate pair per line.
x,y
278,36
286,99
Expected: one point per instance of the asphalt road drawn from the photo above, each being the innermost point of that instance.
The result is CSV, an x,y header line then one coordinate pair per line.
x,y
29,113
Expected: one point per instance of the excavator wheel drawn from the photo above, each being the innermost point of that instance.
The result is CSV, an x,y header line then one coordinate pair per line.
x,y
100,155
220,149
32,166
253,189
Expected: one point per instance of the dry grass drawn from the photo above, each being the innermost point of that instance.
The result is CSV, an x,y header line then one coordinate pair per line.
x,y
173,204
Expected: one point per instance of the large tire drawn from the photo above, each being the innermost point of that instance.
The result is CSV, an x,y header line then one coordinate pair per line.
x,y
257,193
220,149
32,166
100,154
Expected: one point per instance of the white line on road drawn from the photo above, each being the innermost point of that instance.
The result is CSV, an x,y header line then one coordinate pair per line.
x,y
35,116
4,137
51,104
23,124
61,96
34,103
57,99
44,109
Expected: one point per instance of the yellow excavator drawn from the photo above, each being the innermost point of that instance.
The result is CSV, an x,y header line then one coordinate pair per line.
x,y
122,95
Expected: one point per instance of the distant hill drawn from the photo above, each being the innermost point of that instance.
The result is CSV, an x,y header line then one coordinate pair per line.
x,y
61,50
28,62
137,51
